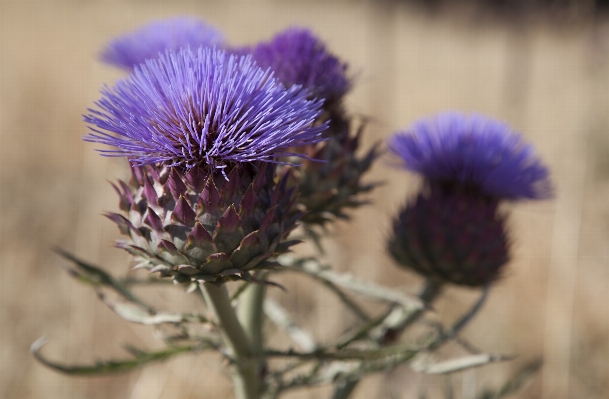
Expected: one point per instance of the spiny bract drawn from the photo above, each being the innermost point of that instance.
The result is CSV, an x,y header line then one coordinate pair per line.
x,y
198,226
451,234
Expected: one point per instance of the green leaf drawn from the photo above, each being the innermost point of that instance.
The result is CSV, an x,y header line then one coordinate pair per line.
x,y
109,366
137,314
96,277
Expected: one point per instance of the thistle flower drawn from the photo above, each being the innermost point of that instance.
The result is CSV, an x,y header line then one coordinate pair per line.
x,y
452,235
203,132
157,37
202,108
473,150
453,231
299,58
326,189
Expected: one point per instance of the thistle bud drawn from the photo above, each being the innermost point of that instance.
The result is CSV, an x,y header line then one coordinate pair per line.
x,y
328,188
199,226
451,234
453,231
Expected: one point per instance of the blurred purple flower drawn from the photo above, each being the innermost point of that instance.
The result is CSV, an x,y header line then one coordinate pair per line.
x,y
473,150
451,235
197,108
157,37
298,57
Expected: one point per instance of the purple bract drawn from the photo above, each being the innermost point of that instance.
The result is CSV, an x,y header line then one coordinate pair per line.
x,y
298,57
198,108
473,150
147,42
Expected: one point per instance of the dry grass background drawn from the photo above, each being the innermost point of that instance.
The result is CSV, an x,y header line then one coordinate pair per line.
x,y
550,81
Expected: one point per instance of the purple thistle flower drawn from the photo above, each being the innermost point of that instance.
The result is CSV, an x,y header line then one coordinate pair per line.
x,y
197,108
157,37
473,150
298,57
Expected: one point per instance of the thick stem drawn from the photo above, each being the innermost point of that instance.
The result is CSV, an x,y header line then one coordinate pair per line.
x,y
251,316
245,377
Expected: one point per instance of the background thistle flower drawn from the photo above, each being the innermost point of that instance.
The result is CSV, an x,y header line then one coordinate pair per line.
x,y
453,231
473,150
451,234
326,189
199,129
147,42
299,58
203,107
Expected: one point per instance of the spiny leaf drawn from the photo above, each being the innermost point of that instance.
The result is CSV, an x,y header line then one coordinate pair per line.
x,y
137,314
108,366
95,276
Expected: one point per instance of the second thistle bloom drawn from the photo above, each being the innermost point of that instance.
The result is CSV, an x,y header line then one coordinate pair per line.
x,y
451,234
473,150
300,58
453,231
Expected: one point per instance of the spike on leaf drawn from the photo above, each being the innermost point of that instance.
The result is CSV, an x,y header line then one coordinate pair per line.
x,y
183,213
248,202
210,197
268,218
136,176
168,246
198,235
125,198
230,220
196,178
260,180
230,187
153,220
176,186
123,223
149,191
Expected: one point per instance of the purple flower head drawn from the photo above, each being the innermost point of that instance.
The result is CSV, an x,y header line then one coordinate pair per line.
x,y
147,42
298,57
473,150
198,108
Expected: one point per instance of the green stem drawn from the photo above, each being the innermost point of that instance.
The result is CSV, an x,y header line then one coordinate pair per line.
x,y
430,292
251,315
245,377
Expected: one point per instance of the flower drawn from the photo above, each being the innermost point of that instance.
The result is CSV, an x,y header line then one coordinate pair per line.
x,y
197,108
147,42
298,57
473,150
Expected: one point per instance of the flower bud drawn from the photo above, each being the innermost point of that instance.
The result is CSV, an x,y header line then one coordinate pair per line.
x,y
199,226
451,234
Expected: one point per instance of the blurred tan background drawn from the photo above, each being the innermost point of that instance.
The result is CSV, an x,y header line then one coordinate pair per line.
x,y
546,76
